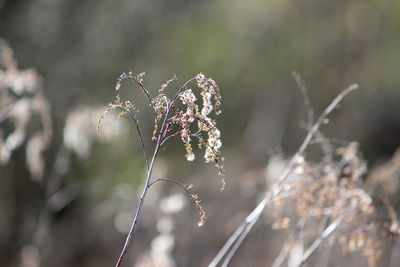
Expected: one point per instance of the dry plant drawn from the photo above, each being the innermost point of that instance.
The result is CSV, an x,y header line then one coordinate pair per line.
x,y
326,199
21,98
173,119
328,203
26,122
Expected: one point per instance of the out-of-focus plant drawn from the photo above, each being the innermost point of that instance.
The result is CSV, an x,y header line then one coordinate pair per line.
x,y
329,203
21,98
326,199
179,116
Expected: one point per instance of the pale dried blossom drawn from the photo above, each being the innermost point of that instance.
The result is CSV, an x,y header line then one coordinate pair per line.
x,y
79,131
207,133
209,89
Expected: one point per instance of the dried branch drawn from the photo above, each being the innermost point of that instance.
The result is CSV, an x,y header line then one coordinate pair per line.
x,y
303,89
276,188
326,147
162,107
238,242
140,204
193,197
326,233
136,122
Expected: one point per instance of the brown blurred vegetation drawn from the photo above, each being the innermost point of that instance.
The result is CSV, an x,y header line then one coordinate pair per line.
x,y
76,209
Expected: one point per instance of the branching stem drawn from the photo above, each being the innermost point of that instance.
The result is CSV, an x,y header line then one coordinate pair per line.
x,y
140,205
150,166
243,230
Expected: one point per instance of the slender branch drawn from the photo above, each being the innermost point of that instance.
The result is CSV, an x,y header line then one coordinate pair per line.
x,y
141,201
228,245
237,244
317,242
249,219
314,129
136,122
276,188
326,147
169,181
179,91
302,86
184,187
149,172
166,138
140,204
144,90
169,107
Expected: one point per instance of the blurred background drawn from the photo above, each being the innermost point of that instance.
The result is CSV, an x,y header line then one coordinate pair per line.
x,y
73,207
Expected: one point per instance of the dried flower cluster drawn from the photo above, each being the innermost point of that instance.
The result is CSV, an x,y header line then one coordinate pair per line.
x,y
329,193
197,203
205,125
21,98
179,116
189,123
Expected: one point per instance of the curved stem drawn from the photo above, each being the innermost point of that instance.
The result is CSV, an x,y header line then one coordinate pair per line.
x,y
169,107
177,94
170,181
135,121
144,90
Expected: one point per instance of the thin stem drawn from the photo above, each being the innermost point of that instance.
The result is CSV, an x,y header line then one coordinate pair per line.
x,y
228,245
141,201
166,138
140,137
169,107
147,184
314,129
302,86
249,219
184,187
276,188
139,208
144,90
149,172
237,244
310,114
170,181
317,242
179,91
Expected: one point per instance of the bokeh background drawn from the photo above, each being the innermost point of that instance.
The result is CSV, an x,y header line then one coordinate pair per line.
x,y
249,48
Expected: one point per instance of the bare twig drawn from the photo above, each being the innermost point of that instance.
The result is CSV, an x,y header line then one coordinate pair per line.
x,y
252,217
276,188
326,147
136,122
237,244
144,90
303,89
317,242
